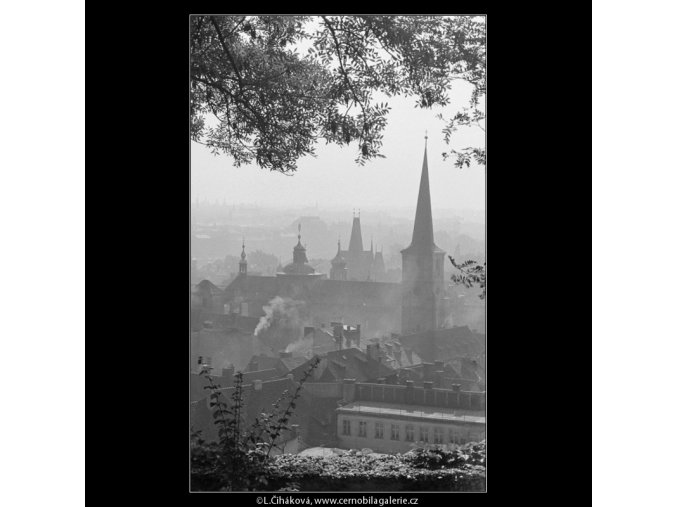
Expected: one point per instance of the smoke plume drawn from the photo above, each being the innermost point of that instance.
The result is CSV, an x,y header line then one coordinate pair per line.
x,y
283,313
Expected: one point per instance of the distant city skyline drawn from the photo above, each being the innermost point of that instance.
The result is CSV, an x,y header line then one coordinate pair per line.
x,y
332,179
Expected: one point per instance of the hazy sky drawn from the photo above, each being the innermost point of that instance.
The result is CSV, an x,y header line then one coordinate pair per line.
x,y
334,179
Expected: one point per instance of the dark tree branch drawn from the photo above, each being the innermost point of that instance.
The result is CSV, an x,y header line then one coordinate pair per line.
x,y
226,50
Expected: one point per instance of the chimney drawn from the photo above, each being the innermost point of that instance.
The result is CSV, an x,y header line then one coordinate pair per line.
x,y
373,351
258,384
427,385
381,380
228,372
409,392
427,371
456,387
285,355
254,365
348,390
437,376
439,365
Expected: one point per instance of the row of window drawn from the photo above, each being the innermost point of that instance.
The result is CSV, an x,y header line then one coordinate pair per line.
x,y
424,434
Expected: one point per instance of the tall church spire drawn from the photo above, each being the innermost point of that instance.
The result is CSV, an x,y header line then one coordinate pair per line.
x,y
423,223
355,244
423,270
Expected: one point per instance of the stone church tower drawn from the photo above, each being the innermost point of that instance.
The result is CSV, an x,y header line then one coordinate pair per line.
x,y
422,267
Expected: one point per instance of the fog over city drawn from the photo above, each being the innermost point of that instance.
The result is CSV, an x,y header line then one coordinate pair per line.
x,y
344,281
334,180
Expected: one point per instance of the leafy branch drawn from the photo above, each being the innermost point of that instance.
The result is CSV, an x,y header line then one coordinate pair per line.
x,y
471,274
239,459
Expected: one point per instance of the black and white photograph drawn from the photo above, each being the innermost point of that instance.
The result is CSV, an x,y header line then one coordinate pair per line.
x,y
338,253
248,260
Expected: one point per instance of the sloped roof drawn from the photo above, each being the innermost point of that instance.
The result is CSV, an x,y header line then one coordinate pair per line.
x,y
347,363
254,403
451,343
348,292
207,286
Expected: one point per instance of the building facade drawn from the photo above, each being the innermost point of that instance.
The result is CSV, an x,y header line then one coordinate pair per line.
x,y
392,418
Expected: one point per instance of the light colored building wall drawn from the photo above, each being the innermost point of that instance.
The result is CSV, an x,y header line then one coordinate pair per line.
x,y
450,433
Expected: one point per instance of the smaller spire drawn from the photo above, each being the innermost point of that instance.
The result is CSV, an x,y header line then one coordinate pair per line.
x,y
243,260
299,233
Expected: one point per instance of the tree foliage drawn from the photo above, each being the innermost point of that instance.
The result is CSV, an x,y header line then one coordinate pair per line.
x,y
471,274
274,86
239,459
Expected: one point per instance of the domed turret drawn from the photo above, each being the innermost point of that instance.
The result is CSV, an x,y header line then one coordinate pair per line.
x,y
299,266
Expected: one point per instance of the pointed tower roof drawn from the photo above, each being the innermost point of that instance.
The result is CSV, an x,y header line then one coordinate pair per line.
x,y
422,238
355,244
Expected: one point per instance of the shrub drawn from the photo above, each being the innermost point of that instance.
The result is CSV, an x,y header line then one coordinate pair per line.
x,y
239,460
420,470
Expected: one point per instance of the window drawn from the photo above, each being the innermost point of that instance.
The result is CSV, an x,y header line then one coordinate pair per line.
x,y
409,436
346,427
378,430
455,437
394,432
437,435
362,429
424,434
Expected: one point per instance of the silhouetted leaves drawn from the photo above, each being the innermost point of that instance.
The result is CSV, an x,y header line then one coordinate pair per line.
x,y
471,274
272,105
